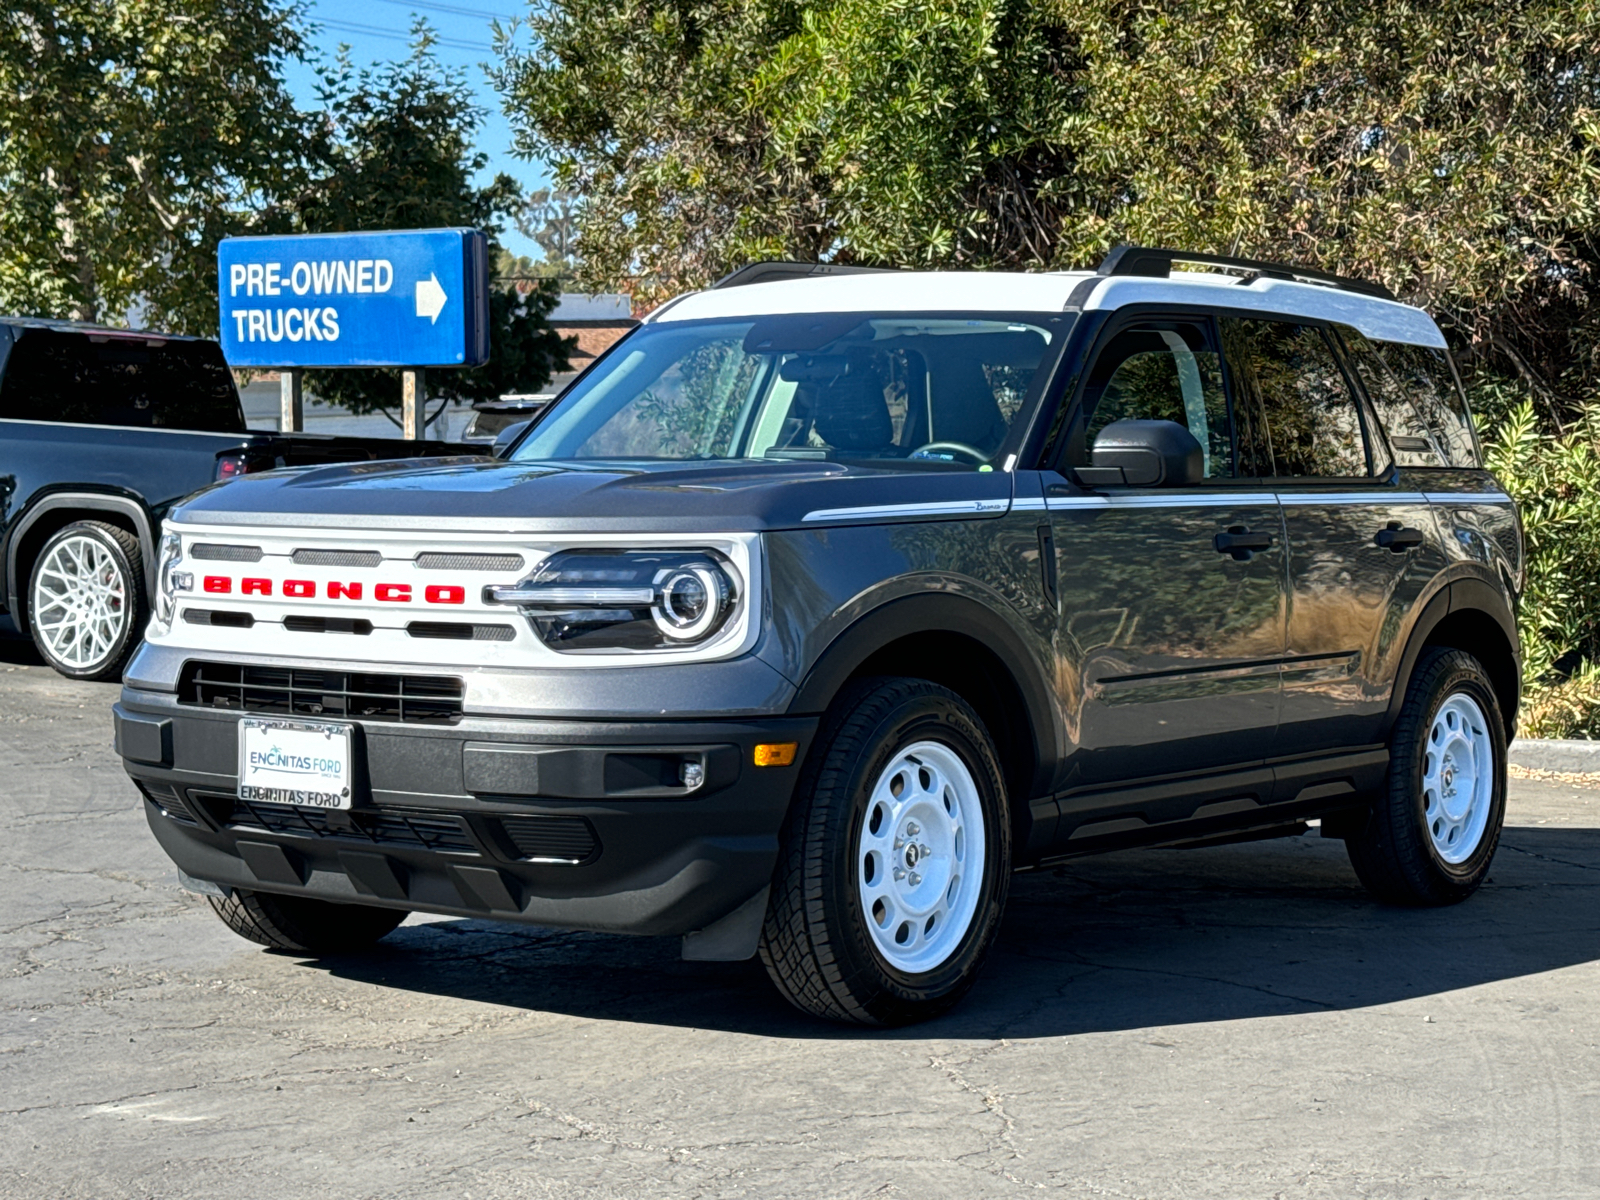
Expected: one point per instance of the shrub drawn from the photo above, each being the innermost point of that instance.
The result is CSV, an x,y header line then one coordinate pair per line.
x,y
1555,479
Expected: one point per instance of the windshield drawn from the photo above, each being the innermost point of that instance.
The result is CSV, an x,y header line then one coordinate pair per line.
x,y
843,386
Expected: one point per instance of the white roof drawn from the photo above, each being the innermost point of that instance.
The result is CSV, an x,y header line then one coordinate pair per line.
x,y
1047,291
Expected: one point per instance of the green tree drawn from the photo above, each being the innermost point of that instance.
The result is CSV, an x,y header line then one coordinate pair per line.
x,y
1450,148
134,134
396,148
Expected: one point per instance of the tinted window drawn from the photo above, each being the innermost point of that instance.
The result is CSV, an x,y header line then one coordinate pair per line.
x,y
937,389
1417,400
117,380
1302,418
1163,372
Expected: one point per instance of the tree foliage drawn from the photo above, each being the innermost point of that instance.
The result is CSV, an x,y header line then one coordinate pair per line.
x,y
1451,148
395,148
134,134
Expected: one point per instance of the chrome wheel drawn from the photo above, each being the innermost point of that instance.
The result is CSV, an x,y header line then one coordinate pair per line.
x,y
80,602
920,857
1458,776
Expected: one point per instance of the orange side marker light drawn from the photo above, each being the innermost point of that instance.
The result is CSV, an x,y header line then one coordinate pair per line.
x,y
775,754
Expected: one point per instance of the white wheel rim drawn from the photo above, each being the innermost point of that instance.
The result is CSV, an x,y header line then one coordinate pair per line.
x,y
1458,777
80,602
920,857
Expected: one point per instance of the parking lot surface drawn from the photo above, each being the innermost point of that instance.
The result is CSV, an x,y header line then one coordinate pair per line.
x,y
1233,1022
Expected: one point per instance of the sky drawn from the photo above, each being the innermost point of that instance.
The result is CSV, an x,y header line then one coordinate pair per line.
x,y
377,31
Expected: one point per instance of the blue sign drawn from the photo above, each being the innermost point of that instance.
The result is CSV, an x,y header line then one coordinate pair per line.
x,y
404,298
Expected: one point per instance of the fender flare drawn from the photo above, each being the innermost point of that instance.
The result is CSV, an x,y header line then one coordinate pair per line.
x,y
937,613
1465,594
90,502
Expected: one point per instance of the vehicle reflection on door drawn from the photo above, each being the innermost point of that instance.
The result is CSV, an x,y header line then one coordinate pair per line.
x,y
1169,647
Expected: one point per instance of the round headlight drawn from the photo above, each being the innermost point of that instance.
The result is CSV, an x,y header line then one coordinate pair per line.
x,y
692,601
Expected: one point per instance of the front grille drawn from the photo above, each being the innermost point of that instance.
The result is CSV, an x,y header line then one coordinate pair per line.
x,y
217,552
461,631
413,699
382,827
211,616
337,558
558,839
354,625
434,561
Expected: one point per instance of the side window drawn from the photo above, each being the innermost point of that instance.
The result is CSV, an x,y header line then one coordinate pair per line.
x,y
1417,399
1163,371
1302,416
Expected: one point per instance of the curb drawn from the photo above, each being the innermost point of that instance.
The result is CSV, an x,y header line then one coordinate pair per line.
x,y
1553,754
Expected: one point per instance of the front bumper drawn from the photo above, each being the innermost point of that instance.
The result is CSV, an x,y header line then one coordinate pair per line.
x,y
573,824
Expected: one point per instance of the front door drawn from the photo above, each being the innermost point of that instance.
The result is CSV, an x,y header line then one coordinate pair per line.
x,y
1169,639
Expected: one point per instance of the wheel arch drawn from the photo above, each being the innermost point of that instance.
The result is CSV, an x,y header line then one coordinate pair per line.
x,y
57,510
1472,615
965,646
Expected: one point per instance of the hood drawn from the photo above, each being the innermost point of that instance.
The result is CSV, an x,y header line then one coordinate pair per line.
x,y
487,494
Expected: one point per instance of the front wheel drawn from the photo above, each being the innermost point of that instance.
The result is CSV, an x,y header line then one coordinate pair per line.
x,y
1433,832
895,860
303,924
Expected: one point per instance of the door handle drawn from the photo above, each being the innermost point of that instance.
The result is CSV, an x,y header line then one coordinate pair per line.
x,y
1241,543
1397,539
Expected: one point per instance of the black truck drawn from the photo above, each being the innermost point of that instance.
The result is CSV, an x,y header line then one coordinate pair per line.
x,y
101,432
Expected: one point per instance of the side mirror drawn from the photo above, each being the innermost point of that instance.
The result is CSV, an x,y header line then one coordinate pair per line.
x,y
503,439
1144,454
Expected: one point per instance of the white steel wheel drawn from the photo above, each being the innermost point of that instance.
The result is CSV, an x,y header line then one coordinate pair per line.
x,y
1457,778
920,857
85,603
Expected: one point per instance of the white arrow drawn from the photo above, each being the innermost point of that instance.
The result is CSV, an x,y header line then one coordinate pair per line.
x,y
430,298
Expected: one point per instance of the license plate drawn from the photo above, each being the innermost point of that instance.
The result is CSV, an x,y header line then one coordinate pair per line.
x,y
294,762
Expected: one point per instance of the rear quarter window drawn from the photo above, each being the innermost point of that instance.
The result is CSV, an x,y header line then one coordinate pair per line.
x,y
85,379
1417,400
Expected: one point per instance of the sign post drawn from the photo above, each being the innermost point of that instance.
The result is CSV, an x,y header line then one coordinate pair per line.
x,y
291,407
402,298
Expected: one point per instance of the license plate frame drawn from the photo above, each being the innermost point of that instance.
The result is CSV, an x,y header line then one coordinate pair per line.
x,y
315,766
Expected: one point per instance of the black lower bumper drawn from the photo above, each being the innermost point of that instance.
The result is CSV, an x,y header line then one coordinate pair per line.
x,y
579,825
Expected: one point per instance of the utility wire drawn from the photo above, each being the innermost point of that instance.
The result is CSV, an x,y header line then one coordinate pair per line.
x,y
380,31
455,9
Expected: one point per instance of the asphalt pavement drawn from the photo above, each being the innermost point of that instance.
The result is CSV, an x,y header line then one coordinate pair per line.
x,y
1237,1022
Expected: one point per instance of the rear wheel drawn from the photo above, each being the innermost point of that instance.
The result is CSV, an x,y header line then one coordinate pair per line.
x,y
304,925
1431,836
895,860
86,602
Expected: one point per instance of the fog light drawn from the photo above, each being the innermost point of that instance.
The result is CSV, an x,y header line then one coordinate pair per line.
x,y
693,775
775,754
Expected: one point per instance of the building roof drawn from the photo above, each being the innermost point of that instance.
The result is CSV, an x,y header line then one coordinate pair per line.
x,y
591,306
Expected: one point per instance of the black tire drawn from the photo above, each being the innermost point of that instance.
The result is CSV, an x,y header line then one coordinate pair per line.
x,y
123,557
815,942
304,925
1394,855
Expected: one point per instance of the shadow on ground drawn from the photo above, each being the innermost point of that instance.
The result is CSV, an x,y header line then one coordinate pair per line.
x,y
1131,940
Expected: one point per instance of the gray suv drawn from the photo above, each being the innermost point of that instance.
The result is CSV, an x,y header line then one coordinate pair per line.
x,y
828,598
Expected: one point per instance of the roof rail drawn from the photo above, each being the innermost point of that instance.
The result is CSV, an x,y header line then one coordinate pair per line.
x,y
772,272
1152,263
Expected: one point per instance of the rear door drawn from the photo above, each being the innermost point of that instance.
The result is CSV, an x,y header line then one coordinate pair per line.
x,y
1167,646
1362,541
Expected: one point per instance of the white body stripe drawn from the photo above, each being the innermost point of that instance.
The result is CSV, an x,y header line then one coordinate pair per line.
x,y
936,508
1208,499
